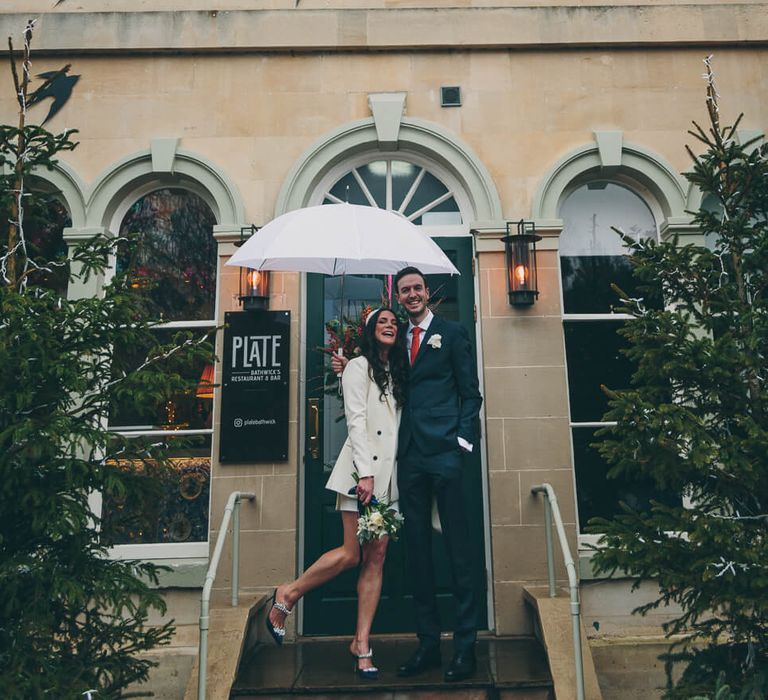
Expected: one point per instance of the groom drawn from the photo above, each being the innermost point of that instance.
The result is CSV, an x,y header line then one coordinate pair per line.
x,y
438,423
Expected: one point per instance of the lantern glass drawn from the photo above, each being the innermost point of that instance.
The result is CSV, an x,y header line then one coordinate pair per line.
x,y
520,248
254,284
254,288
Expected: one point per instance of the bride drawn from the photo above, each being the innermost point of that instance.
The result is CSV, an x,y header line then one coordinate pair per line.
x,y
374,392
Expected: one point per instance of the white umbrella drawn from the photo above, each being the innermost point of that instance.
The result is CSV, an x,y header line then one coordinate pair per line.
x,y
335,239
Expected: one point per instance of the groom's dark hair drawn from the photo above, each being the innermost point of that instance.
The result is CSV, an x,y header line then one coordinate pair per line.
x,y
410,270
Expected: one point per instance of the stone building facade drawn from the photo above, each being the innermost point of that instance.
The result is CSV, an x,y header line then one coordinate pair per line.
x,y
571,116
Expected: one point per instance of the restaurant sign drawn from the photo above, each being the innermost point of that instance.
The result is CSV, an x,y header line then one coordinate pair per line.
x,y
254,391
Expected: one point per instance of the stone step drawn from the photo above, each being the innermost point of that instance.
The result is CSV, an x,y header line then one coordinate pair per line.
x,y
556,626
477,694
228,640
513,668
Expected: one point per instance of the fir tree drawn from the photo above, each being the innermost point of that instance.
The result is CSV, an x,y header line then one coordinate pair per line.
x,y
71,618
695,421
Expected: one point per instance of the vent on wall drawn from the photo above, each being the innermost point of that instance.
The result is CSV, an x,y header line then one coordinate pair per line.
x,y
450,96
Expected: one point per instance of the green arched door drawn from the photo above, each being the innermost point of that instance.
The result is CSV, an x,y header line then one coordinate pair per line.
x,y
331,609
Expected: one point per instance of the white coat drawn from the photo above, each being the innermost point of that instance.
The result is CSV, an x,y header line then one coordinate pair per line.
x,y
371,444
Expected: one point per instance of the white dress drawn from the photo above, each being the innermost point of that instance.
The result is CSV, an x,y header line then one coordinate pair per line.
x,y
371,444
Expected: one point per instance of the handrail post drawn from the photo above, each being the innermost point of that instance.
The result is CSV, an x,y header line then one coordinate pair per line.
x,y
552,510
232,506
202,657
550,545
577,652
235,551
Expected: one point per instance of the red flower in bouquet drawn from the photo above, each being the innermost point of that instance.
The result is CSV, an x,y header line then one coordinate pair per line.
x,y
346,334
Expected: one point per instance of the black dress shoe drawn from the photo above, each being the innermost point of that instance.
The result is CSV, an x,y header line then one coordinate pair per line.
x,y
422,660
462,666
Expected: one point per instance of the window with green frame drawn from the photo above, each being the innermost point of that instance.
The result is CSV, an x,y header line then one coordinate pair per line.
x,y
592,259
176,260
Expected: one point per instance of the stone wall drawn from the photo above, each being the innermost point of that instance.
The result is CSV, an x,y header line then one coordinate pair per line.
x,y
528,435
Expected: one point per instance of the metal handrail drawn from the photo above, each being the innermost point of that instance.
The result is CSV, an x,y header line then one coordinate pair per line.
x,y
552,509
232,507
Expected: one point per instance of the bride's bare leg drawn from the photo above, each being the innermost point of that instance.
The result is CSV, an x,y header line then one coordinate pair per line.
x,y
368,594
329,565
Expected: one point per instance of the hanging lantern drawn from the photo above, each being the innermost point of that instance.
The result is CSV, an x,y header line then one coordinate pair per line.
x,y
254,284
205,385
520,249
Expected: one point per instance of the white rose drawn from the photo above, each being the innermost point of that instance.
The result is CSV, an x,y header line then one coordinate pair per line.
x,y
376,519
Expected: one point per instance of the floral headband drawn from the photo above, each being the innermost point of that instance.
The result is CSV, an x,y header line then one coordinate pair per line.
x,y
374,312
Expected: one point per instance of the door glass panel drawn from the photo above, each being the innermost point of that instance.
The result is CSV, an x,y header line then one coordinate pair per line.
x,y
343,298
444,291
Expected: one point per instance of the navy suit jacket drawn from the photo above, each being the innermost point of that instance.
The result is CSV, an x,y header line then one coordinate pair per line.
x,y
443,392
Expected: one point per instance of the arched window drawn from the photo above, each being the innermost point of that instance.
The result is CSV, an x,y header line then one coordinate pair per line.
x,y
44,230
45,218
592,261
592,255
176,254
394,184
176,259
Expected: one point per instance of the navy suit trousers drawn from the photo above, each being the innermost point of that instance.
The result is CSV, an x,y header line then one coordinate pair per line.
x,y
418,481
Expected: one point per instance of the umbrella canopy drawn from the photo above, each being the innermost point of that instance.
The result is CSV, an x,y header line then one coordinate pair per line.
x,y
336,239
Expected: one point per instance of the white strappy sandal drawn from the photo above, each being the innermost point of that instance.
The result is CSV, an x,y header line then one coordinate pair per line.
x,y
277,633
368,674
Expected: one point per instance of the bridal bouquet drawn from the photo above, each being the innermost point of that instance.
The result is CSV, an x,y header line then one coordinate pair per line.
x,y
376,519
344,335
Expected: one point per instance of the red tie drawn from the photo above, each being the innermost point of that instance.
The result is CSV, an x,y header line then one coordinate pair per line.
x,y
415,342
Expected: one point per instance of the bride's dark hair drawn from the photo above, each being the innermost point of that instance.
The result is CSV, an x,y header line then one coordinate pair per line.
x,y
398,358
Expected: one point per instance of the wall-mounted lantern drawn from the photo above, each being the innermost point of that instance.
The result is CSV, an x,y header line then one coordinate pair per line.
x,y
254,284
520,249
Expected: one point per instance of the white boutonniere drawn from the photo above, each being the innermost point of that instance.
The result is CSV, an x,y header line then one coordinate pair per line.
x,y
435,341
